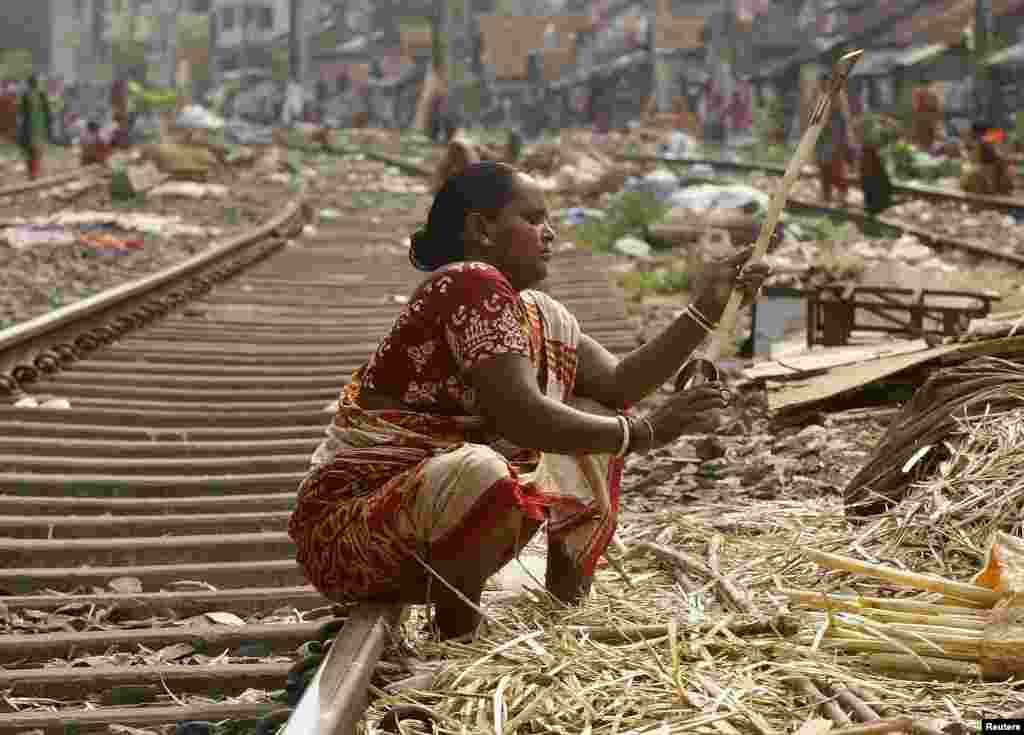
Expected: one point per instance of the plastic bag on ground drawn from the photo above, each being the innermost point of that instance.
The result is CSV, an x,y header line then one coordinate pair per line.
x,y
198,117
708,197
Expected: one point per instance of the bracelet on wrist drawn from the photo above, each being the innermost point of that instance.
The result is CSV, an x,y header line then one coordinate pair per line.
x,y
650,431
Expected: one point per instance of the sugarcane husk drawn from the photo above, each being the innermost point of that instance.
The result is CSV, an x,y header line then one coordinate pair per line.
x,y
819,118
886,604
1002,646
757,721
880,727
688,563
781,625
910,579
888,711
935,666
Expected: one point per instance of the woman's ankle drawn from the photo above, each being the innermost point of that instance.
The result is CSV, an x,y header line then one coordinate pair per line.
x,y
563,579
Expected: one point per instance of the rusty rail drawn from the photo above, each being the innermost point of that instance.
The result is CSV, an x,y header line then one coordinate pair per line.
x,y
56,339
55,180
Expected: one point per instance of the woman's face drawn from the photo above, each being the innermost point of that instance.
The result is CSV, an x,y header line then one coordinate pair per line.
x,y
521,236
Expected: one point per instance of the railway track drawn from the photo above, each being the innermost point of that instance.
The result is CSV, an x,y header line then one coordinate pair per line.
x,y
78,181
148,578
974,247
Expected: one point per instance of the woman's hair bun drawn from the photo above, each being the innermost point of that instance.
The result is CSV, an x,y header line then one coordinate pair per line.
x,y
419,250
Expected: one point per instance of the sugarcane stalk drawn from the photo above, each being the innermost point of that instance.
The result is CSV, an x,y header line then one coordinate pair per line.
x,y
928,582
815,697
819,119
857,705
878,727
872,605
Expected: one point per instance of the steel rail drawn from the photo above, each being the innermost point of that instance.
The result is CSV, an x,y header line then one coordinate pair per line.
x,y
56,339
55,180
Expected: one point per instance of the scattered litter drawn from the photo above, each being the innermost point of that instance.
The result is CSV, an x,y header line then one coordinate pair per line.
x,y
678,145
190,190
706,197
56,403
330,214
910,250
27,236
198,117
633,247
660,183
132,181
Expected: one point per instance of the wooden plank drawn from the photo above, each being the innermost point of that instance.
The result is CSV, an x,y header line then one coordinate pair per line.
x,y
831,357
92,720
789,396
249,639
76,683
248,601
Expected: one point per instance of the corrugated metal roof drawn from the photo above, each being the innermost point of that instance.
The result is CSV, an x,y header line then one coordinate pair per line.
x,y
507,39
677,32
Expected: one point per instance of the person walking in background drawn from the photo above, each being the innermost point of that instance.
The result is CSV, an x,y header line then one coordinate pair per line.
x,y
927,114
95,148
985,171
35,130
9,111
874,179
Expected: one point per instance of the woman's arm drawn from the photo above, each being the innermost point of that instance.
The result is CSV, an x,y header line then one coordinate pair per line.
x,y
606,379
508,398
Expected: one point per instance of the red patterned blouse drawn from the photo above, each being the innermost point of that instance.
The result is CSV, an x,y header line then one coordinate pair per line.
x,y
463,314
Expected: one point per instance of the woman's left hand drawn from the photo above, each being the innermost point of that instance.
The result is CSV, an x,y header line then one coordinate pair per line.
x,y
721,277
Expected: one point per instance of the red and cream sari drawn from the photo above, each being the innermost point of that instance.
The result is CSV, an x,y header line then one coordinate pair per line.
x,y
388,485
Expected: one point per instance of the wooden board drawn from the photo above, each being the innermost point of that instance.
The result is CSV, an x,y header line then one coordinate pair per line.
x,y
830,357
801,394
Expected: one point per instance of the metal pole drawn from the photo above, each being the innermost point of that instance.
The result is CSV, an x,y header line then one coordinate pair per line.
x,y
982,31
297,41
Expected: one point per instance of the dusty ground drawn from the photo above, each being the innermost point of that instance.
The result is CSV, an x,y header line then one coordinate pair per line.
x,y
39,278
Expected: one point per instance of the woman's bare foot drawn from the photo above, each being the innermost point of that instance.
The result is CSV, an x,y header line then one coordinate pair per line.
x,y
452,616
563,579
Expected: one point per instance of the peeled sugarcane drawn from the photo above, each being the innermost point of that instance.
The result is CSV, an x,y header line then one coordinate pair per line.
x,y
701,370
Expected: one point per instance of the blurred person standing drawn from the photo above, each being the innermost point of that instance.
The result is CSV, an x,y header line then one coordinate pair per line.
x,y
35,130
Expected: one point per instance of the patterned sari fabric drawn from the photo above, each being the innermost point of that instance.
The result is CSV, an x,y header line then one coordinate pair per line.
x,y
387,486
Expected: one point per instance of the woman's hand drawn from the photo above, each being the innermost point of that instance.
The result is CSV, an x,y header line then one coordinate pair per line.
x,y
720,277
692,411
